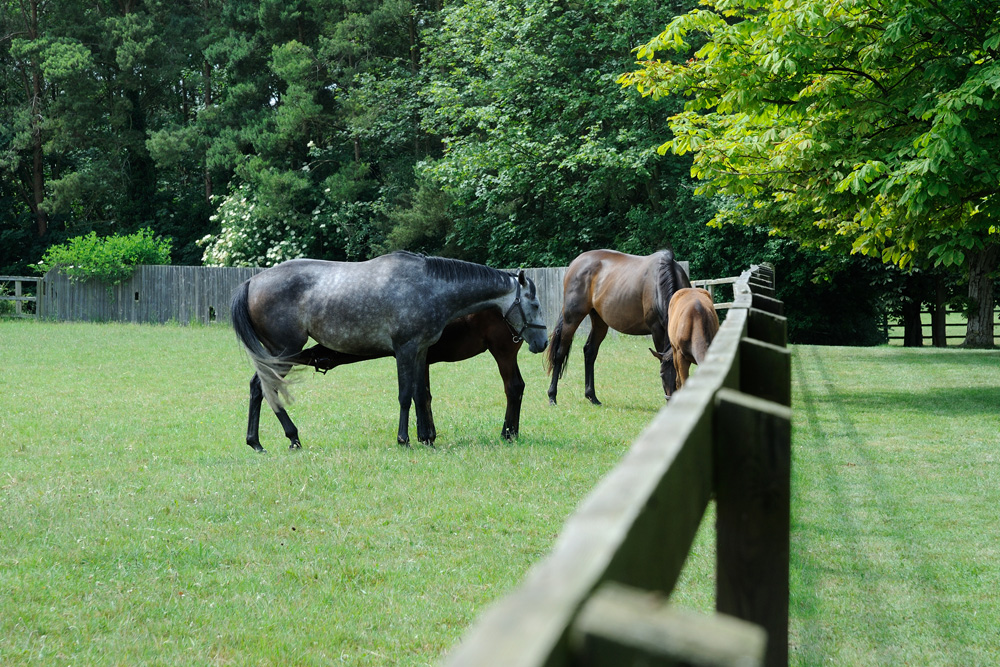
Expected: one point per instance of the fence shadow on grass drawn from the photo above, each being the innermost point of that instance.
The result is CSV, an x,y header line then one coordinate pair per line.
x,y
883,520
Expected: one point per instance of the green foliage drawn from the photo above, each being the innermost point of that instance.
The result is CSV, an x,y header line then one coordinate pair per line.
x,y
543,159
862,126
111,259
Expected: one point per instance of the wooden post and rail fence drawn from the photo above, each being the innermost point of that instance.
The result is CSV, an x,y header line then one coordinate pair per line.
x,y
601,597
20,297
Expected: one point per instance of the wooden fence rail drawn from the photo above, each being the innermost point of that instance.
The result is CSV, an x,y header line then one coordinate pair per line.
x,y
598,599
19,297
926,328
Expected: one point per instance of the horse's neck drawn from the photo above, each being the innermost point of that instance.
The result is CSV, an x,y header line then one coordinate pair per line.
x,y
467,298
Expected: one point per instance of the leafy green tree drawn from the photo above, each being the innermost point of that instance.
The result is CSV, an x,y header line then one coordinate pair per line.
x,y
858,126
541,161
332,149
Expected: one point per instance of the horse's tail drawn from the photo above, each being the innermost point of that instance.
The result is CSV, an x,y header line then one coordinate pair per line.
x,y
270,369
670,277
555,350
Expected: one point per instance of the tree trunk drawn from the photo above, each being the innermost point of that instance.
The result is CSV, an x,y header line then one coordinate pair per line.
x,y
980,331
913,334
913,330
939,323
209,101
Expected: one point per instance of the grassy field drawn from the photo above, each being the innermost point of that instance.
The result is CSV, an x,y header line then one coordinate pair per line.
x,y
896,484
139,529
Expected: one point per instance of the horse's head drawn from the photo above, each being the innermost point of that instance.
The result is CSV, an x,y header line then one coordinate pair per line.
x,y
668,373
524,316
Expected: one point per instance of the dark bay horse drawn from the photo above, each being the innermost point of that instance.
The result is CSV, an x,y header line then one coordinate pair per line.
x,y
397,304
693,325
462,339
627,293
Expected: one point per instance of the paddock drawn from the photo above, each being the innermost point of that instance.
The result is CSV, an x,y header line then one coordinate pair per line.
x,y
137,525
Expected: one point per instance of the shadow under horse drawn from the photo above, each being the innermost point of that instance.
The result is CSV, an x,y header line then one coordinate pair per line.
x,y
394,305
628,293
462,339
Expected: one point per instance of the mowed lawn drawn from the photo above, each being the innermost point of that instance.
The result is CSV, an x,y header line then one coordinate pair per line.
x,y
139,529
896,489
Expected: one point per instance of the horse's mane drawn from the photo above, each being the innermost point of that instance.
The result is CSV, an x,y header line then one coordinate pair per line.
x,y
669,278
456,270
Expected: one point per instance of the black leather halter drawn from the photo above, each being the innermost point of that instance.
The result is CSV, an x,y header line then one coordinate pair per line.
x,y
525,324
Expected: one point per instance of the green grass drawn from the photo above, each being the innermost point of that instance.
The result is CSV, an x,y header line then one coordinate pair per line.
x,y
137,528
896,484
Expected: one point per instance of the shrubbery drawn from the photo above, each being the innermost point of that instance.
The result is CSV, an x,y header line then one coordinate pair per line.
x,y
111,259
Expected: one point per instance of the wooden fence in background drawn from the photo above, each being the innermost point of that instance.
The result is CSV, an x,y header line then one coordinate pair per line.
x,y
153,294
600,597
186,294
21,297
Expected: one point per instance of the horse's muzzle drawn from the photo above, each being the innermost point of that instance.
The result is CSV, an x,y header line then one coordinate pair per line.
x,y
535,347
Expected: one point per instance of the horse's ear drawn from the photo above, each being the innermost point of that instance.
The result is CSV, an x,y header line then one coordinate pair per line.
x,y
521,278
658,355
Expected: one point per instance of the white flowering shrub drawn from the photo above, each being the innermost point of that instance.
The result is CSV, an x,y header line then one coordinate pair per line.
x,y
252,235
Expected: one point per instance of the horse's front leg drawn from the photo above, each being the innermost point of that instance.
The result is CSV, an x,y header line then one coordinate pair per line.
x,y
411,370
513,385
426,400
598,330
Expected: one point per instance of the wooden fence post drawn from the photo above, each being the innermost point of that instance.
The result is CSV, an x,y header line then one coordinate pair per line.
x,y
753,494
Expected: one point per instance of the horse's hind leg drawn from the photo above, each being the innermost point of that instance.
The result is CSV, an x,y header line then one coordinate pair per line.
x,y
559,346
253,421
598,330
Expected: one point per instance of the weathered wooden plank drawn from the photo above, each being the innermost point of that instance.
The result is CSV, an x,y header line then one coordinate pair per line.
x,y
768,304
753,457
766,371
767,327
627,626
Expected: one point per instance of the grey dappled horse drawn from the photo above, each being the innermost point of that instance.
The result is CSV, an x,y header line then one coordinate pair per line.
x,y
628,293
397,304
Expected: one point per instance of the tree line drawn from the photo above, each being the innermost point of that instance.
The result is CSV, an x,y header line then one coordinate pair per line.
x,y
252,131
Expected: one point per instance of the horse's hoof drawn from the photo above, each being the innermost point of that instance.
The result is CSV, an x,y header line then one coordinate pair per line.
x,y
429,443
403,443
257,447
295,445
593,399
552,401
